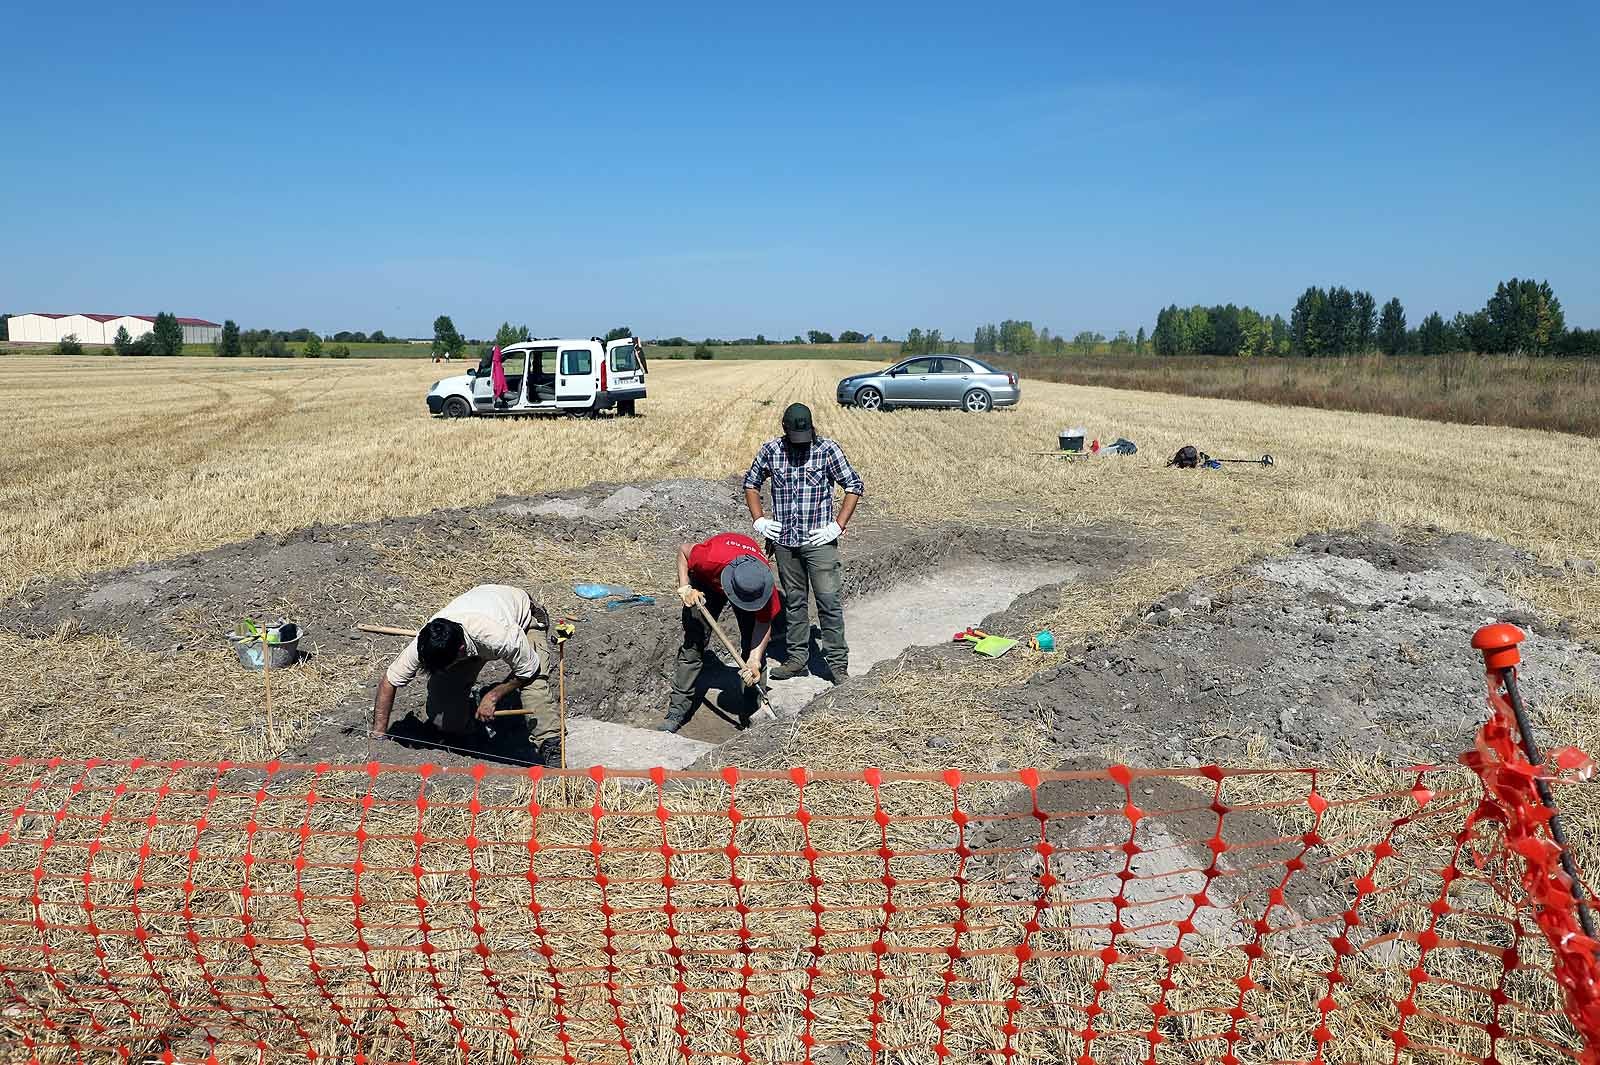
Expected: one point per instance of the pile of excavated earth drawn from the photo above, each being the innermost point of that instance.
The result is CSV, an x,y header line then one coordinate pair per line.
x,y
1349,641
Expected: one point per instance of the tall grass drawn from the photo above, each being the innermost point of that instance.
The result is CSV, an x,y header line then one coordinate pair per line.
x,y
1556,394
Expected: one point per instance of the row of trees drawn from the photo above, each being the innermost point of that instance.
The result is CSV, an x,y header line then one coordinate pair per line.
x,y
1335,321
1018,337
1522,317
1220,330
814,336
165,338
919,343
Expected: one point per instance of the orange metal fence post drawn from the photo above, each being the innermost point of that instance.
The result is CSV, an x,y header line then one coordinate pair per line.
x,y
1498,644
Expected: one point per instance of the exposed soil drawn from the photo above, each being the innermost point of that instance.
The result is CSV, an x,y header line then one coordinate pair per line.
x,y
903,586
1353,642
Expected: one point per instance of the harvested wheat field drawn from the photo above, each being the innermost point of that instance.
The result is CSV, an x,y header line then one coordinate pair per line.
x,y
1305,625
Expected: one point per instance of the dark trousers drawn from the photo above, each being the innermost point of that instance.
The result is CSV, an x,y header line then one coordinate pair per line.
x,y
691,656
804,573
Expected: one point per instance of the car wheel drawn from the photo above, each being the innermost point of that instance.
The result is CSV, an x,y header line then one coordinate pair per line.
x,y
977,401
456,407
869,399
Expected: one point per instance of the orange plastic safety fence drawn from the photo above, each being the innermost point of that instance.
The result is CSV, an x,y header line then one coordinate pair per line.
x,y
182,912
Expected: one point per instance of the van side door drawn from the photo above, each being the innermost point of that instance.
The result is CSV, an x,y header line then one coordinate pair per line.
x,y
482,389
541,381
577,374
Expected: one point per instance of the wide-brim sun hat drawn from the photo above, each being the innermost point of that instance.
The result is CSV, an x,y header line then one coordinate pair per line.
x,y
747,582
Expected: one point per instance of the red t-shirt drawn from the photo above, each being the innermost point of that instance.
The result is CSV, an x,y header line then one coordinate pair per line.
x,y
707,559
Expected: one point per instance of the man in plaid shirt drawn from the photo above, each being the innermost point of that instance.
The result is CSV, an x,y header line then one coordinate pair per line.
x,y
804,534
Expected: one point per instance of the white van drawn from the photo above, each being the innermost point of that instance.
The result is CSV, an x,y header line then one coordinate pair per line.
x,y
549,377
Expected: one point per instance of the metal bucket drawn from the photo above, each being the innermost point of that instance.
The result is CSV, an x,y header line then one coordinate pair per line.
x,y
1072,439
284,649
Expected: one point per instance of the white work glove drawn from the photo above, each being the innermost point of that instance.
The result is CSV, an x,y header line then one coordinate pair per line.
x,y
691,596
825,535
768,529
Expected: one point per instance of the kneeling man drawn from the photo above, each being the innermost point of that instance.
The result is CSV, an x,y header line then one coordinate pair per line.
x,y
490,623
726,569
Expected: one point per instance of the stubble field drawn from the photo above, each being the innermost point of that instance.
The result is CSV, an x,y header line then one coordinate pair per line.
x,y
113,464
110,463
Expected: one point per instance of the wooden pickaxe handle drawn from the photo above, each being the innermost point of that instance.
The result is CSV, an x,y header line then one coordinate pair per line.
x,y
386,630
716,628
732,650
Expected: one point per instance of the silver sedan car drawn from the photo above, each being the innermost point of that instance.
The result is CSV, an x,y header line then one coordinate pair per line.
x,y
933,381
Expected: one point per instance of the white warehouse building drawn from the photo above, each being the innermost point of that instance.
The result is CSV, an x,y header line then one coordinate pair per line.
x,y
101,328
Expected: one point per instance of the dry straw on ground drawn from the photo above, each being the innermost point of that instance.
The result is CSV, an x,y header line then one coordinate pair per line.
x,y
300,859
140,460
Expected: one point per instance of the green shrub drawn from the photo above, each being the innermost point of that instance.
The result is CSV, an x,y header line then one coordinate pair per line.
x,y
69,345
701,351
340,352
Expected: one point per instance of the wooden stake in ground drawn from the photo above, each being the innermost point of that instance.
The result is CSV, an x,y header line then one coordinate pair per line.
x,y
266,676
561,692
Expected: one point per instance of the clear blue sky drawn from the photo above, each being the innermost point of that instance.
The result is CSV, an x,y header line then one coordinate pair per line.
x,y
729,169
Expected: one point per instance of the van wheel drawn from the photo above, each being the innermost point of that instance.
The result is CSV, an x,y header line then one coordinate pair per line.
x,y
977,401
456,407
625,407
869,398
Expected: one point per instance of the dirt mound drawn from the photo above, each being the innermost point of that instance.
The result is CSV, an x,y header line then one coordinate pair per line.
x,y
1355,642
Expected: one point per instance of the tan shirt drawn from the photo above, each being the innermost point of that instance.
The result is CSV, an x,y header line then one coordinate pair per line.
x,y
496,619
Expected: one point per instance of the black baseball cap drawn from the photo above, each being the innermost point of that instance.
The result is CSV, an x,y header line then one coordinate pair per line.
x,y
797,424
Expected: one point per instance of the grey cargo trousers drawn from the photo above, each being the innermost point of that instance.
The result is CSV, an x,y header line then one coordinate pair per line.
x,y
805,573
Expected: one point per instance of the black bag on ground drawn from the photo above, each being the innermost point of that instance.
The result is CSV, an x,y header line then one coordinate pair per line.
x,y
1187,458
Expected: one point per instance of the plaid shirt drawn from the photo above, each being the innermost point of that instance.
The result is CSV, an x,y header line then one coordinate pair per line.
x,y
802,494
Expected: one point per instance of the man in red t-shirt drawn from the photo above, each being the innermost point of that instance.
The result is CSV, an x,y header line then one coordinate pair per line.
x,y
727,568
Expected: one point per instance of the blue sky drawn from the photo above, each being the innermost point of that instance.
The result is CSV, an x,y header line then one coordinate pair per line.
x,y
729,169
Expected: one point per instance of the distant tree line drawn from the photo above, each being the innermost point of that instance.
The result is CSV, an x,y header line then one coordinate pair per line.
x,y
712,342
1522,317
1018,337
814,336
1221,330
919,343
